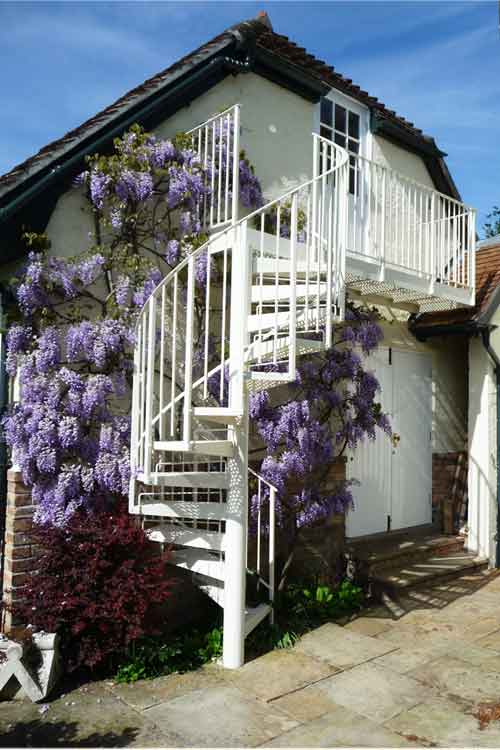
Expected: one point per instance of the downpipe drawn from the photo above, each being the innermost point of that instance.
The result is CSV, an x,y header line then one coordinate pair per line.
x,y
485,336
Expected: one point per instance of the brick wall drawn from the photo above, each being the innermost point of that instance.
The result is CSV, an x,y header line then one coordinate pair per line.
x,y
449,486
17,549
320,553
320,550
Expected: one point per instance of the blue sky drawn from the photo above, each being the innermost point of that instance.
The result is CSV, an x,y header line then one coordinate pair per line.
x,y
436,63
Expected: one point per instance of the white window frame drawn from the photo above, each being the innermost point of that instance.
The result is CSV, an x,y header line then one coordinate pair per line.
x,y
365,135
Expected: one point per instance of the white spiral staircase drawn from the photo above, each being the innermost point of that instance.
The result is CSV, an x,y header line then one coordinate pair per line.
x,y
271,288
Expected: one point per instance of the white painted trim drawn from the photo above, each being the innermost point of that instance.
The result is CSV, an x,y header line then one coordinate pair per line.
x,y
366,136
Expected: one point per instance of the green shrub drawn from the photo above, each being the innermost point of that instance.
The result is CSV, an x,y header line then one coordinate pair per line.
x,y
151,657
305,607
301,608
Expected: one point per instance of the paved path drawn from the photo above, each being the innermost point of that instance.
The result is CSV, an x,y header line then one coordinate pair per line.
x,y
413,677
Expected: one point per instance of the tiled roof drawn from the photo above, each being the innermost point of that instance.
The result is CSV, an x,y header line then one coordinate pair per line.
x,y
256,32
298,56
487,280
57,148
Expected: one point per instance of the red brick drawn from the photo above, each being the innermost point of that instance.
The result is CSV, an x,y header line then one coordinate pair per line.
x,y
18,566
20,552
16,523
12,580
17,538
16,500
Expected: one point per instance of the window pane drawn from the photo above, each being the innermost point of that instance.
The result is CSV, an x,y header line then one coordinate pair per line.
x,y
353,125
326,112
354,180
340,139
353,146
340,119
325,132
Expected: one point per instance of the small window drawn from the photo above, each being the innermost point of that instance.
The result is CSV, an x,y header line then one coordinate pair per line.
x,y
342,126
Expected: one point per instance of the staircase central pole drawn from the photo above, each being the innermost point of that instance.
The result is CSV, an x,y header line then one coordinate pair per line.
x,y
237,466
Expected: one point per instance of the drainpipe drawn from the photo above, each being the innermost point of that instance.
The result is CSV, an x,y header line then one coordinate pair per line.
x,y
485,336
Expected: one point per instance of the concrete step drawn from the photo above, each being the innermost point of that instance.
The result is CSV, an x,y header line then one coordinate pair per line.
x,y
432,570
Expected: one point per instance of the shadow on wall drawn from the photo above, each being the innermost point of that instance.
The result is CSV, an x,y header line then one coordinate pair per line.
x,y
481,518
449,422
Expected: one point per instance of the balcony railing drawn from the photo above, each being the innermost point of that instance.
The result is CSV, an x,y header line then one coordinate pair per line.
x,y
423,238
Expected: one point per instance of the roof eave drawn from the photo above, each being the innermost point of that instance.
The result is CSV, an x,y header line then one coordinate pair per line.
x,y
126,115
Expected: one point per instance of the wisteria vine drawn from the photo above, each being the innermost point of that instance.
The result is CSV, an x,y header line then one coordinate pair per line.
x,y
73,341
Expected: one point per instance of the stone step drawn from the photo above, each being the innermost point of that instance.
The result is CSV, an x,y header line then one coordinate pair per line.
x,y
378,553
440,547
430,571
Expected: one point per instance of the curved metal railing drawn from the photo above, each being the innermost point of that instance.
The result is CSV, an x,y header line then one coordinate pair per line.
x,y
193,332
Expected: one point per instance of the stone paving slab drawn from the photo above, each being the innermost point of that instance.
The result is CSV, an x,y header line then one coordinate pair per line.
x,y
374,692
441,722
341,647
146,693
225,717
491,641
417,635
385,679
306,704
278,673
404,660
370,625
87,717
341,728
453,676
477,628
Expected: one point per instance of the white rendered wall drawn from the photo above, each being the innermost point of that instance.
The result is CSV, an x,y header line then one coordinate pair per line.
x,y
276,128
482,452
396,157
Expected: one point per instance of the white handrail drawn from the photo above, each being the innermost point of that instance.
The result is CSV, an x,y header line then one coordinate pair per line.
x,y
169,302
217,142
270,583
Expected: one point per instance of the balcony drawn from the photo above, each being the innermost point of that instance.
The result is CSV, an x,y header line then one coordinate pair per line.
x,y
406,244
399,243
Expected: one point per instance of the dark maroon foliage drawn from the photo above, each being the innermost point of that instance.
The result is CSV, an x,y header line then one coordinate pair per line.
x,y
97,584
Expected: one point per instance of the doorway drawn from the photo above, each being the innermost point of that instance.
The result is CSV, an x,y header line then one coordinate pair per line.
x,y
395,476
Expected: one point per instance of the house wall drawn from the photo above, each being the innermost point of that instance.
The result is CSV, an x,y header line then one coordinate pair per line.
x,y
482,516
276,127
396,157
482,457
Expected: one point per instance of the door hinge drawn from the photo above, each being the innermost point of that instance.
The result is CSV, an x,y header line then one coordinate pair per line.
x,y
388,523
